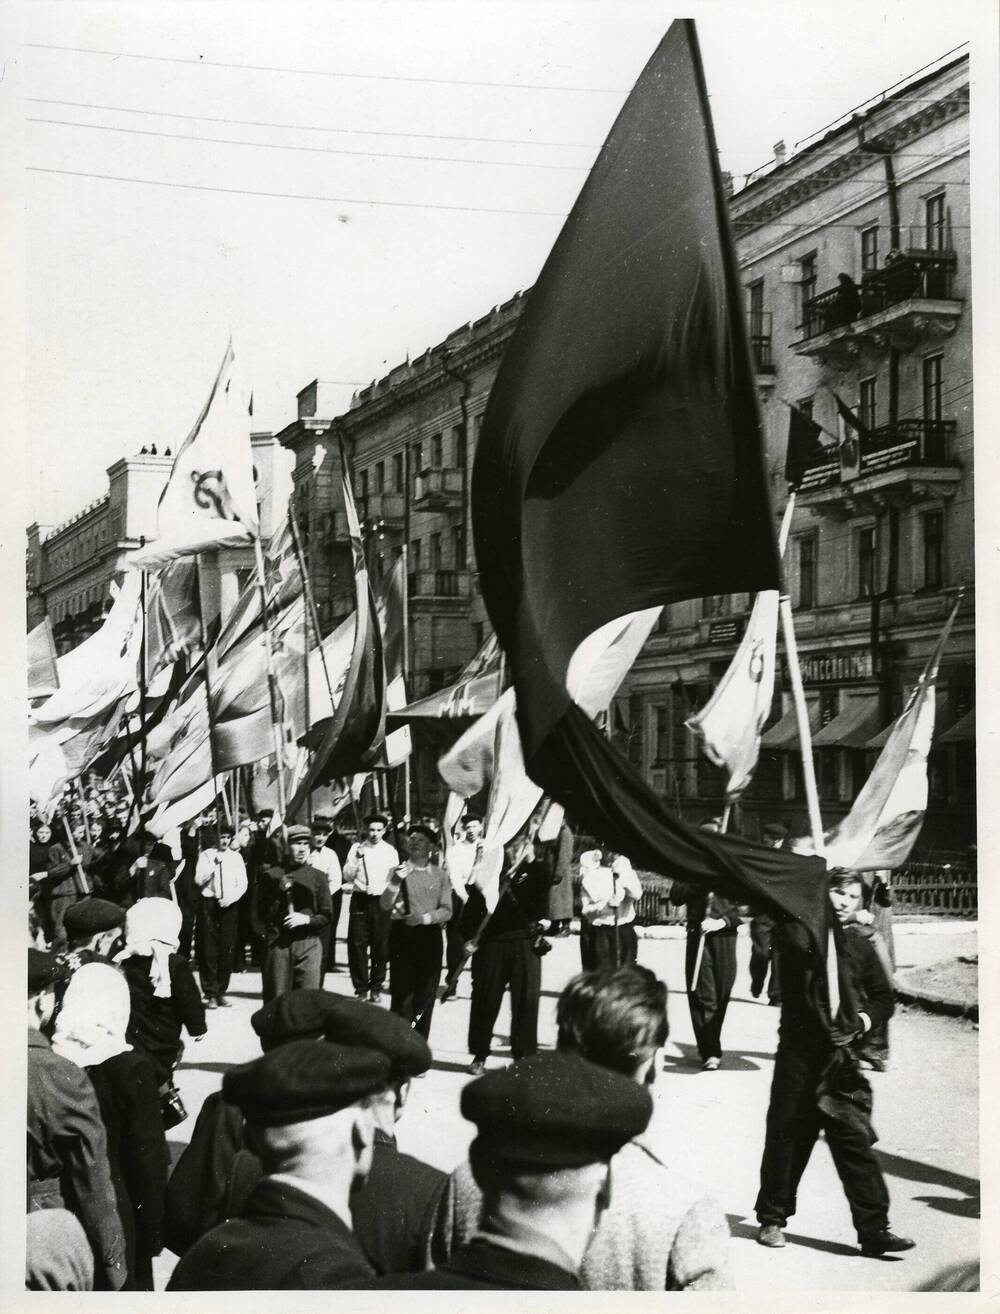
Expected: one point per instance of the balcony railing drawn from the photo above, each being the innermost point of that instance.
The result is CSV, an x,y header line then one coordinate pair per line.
x,y
921,443
439,584
438,490
760,341
380,511
915,275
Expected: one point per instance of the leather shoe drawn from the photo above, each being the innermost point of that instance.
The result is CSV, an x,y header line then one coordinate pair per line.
x,y
771,1235
210,1003
477,1067
222,1001
884,1243
711,1065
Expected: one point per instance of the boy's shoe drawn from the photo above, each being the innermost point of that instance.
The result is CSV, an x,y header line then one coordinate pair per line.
x,y
771,1235
884,1243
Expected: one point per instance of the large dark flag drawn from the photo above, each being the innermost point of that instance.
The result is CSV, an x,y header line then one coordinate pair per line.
x,y
621,466
805,446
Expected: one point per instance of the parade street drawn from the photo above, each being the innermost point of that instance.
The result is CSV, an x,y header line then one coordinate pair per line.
x,y
925,1115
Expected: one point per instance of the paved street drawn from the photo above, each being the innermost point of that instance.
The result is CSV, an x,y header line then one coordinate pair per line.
x,y
926,1114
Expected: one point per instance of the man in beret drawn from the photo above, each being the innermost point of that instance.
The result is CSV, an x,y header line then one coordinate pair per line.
x,y
418,898
325,859
93,932
392,1212
548,1130
762,954
369,865
68,1168
221,877
308,1113
293,912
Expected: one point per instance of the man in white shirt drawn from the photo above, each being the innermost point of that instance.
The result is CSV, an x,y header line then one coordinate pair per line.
x,y
460,860
609,897
221,876
369,865
324,859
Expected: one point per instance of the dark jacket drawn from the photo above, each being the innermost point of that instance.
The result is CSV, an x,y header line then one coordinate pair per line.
x,y
52,868
68,1165
524,902
129,1101
284,1240
152,882
392,1213
863,985
155,1024
481,1266
309,892
701,904
557,854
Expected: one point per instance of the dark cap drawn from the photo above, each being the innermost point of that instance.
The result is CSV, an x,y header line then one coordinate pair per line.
x,y
472,816
418,828
298,833
554,1111
295,1015
321,823
303,1080
90,916
352,1022
43,970
774,830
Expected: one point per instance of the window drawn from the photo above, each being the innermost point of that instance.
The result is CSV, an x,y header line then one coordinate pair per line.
x,y
380,477
436,452
416,459
415,555
458,546
397,473
869,249
716,604
867,403
932,525
932,387
936,222
807,286
662,735
866,562
807,572
805,405
458,442
478,634
435,551
363,485
755,294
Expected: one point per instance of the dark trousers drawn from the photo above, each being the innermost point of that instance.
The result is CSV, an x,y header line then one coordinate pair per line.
x,y
497,964
329,937
292,966
794,1122
367,942
455,940
55,913
415,954
249,945
215,939
188,899
597,947
763,956
708,997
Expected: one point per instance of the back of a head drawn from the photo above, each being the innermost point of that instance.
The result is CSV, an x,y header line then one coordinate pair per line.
x,y
615,1019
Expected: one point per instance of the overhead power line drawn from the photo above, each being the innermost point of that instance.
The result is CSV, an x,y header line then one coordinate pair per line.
x,y
201,62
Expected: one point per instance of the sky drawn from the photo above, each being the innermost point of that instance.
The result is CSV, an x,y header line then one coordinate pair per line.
x,y
426,153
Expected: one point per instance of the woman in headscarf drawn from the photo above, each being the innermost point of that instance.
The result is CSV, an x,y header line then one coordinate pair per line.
x,y
165,996
90,1031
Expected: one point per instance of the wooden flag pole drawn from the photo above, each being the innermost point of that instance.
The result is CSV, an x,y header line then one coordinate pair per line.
x,y
272,685
407,806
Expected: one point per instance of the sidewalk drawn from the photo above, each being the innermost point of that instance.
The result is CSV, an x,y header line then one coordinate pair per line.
x,y
937,965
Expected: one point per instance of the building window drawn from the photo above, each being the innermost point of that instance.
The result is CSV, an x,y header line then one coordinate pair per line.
x,y
397,473
458,546
866,562
416,459
478,634
807,285
805,405
867,403
932,367
869,249
716,604
436,562
458,440
380,477
436,452
662,736
932,525
415,554
363,485
755,294
807,572
936,223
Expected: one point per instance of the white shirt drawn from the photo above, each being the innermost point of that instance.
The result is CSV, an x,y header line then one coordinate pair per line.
x,y
326,861
460,861
600,884
369,866
222,875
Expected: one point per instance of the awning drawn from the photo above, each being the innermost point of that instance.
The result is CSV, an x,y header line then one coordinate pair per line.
x,y
940,722
854,724
963,731
785,734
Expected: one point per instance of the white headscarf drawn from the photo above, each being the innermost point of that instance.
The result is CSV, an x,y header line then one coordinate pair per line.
x,y
153,930
94,1017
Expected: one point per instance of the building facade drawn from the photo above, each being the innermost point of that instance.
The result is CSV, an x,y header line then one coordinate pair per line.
x,y
70,566
880,543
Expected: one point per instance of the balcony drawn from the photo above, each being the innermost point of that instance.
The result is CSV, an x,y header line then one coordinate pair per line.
x,y
448,589
900,464
759,324
334,529
897,306
383,513
438,490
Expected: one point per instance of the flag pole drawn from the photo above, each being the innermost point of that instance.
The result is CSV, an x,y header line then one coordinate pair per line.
x,y
407,810
143,687
272,682
207,664
311,608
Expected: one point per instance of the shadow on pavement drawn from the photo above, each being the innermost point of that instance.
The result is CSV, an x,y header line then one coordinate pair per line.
x,y
733,1060
968,1208
748,1232
896,1165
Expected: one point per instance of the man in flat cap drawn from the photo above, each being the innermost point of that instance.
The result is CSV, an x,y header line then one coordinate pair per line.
x,y
325,859
68,1168
308,1113
221,877
418,898
548,1130
369,865
294,911
762,955
392,1212
93,932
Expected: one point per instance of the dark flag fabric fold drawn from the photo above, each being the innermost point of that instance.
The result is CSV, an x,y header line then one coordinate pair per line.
x,y
621,466
805,446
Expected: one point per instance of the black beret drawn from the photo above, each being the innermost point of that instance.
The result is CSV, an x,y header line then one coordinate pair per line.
x,y
353,1022
295,1015
43,970
554,1111
321,823
91,915
304,1079
472,816
774,830
420,829
298,833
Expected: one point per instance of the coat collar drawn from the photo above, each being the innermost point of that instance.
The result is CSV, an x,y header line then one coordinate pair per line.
x,y
498,1266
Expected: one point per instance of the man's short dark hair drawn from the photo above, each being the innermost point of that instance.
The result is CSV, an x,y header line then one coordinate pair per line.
x,y
616,1019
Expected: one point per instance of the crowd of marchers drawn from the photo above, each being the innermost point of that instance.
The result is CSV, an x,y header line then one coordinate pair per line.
x,y
292,1177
